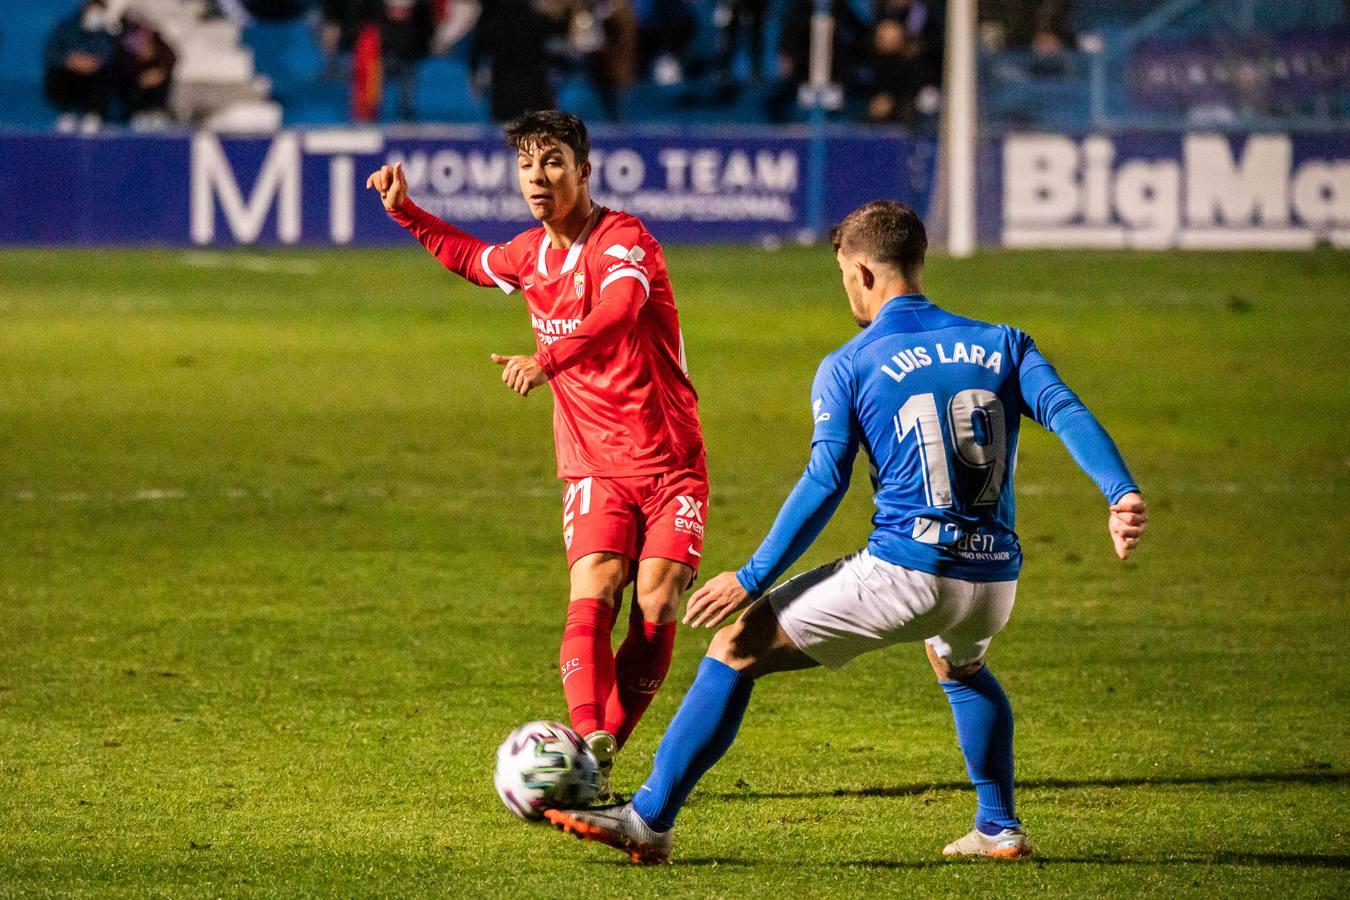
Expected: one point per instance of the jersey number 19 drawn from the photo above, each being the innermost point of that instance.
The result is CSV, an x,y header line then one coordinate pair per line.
x,y
978,442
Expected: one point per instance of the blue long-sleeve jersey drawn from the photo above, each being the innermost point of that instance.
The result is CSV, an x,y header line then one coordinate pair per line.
x,y
936,401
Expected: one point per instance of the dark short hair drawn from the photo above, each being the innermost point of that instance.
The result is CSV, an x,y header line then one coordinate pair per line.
x,y
550,126
884,230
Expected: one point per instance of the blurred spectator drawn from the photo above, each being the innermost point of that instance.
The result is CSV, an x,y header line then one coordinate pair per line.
x,y
603,33
1041,25
906,62
511,44
79,57
735,18
406,30
897,73
145,74
386,40
340,23
912,14
666,29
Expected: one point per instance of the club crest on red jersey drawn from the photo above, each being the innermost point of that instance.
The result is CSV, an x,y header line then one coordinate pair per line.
x,y
579,282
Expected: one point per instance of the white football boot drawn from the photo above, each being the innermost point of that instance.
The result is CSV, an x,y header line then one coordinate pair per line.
x,y
619,827
1010,843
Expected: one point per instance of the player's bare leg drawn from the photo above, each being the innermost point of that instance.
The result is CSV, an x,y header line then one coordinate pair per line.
x,y
642,661
660,585
755,645
984,728
600,575
586,658
700,734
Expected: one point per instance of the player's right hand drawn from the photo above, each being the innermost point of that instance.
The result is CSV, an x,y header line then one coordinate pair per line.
x,y
1127,523
392,185
716,601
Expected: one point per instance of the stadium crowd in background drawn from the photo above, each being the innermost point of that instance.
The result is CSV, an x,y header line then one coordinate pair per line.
x,y
888,58
385,41
105,66
102,66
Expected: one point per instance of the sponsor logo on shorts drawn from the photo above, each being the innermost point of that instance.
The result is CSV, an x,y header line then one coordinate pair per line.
x,y
689,517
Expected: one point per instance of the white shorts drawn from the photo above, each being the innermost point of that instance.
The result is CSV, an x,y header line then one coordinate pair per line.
x,y
861,603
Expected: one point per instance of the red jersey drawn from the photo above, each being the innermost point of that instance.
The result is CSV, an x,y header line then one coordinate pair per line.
x,y
604,318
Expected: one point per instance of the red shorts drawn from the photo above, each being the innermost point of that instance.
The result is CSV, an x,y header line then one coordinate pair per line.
x,y
641,517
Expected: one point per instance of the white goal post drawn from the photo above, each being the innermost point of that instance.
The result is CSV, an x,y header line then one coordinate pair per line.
x,y
959,128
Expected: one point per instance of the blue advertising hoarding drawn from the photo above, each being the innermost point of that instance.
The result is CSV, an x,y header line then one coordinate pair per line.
x,y
307,188
1145,189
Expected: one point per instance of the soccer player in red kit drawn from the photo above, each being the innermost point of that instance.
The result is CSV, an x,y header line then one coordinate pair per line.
x,y
625,415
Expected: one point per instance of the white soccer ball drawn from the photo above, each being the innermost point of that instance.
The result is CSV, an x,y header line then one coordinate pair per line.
x,y
545,765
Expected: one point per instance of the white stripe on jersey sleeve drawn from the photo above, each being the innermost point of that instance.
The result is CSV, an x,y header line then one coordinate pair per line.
x,y
487,267
628,273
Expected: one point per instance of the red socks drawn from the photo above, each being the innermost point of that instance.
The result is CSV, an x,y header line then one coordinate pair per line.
x,y
604,689
587,662
639,668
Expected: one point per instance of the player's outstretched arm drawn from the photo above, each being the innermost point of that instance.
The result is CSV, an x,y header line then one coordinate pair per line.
x,y
1127,522
1053,405
458,251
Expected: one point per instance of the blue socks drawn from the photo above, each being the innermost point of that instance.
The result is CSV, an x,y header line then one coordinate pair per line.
x,y
698,736
984,727
710,715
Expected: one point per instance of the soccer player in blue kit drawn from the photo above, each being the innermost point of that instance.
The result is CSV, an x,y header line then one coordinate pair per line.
x,y
936,401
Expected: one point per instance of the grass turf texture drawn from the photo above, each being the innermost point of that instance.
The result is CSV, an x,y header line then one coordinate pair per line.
x,y
280,565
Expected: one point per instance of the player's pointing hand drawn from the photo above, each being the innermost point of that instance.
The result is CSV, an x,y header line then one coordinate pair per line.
x,y
1128,520
715,602
521,373
392,185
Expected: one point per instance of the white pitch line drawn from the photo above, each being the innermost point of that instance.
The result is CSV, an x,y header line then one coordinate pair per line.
x,y
249,262
159,494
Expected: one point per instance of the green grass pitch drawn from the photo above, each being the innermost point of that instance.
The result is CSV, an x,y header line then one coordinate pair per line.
x,y
280,565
